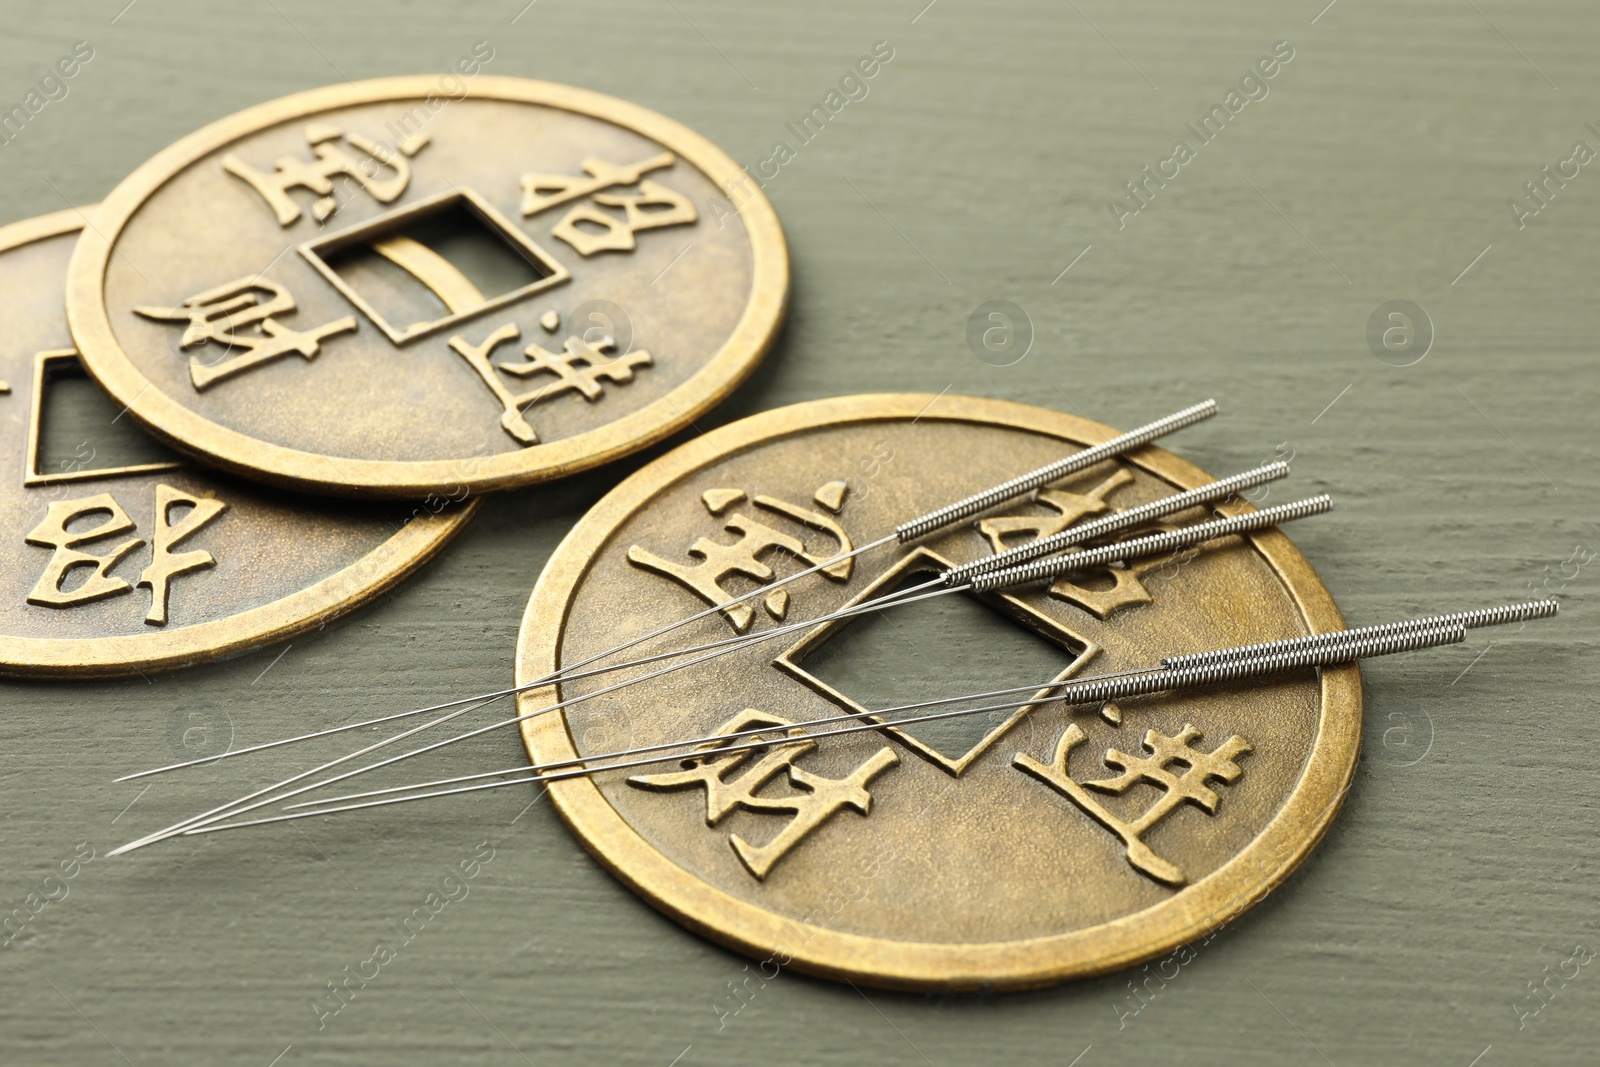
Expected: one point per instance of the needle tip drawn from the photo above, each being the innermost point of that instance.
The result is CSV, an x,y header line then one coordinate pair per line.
x,y
131,845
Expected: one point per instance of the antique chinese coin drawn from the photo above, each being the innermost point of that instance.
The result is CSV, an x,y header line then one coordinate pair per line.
x,y
1005,850
116,558
382,289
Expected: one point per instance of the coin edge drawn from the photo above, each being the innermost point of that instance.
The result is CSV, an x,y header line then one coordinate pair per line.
x,y
238,453
122,656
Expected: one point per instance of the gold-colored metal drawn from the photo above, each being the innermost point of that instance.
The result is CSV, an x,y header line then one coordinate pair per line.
x,y
1058,843
374,290
156,565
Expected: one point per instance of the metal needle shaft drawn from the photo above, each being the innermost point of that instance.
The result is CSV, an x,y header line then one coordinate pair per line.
x,y
489,698
689,743
261,797
1272,658
1131,549
1118,521
1521,612
1127,549
906,532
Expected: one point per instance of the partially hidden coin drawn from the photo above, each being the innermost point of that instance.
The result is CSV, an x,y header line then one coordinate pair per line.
x,y
375,290
1014,849
118,558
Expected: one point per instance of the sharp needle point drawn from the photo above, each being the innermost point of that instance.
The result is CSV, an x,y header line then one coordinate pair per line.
x,y
906,532
1220,665
927,523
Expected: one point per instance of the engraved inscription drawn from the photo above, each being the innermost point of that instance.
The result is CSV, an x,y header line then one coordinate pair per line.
x,y
579,368
589,227
720,562
1189,787
734,780
1065,509
1089,592
217,316
53,533
332,160
165,564
63,529
1127,587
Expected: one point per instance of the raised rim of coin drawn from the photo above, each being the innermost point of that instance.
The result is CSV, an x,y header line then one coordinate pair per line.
x,y
1206,905
191,433
356,585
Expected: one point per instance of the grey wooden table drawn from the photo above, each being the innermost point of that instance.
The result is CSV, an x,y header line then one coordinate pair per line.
x,y
1375,165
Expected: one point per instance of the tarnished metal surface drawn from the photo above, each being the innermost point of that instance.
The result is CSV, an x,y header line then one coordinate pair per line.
x,y
1050,844
378,290
154,565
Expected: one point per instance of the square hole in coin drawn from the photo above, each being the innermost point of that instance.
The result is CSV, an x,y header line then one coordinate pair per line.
x,y
930,649
79,433
433,264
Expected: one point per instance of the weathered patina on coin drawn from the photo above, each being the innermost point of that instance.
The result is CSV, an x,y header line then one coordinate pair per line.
x,y
374,289
1018,850
124,564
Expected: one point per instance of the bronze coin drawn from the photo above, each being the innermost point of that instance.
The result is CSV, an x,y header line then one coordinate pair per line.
x,y
150,563
1018,850
376,289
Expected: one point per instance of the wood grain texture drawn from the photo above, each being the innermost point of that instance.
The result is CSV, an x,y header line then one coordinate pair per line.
x,y
978,167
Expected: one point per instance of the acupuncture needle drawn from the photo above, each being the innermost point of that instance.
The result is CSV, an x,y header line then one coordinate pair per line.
x,y
1076,561
1077,534
1468,619
853,716
489,698
1221,665
244,803
541,773
903,533
1093,557
1132,548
